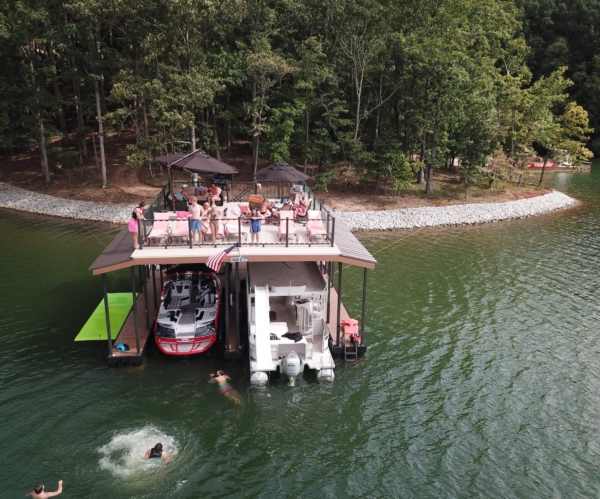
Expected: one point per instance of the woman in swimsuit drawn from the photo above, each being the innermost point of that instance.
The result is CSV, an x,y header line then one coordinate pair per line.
x,y
133,225
255,221
214,218
224,387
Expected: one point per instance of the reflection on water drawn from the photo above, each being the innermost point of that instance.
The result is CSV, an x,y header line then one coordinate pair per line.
x,y
482,377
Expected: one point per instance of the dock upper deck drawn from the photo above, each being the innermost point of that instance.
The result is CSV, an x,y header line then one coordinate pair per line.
x,y
278,242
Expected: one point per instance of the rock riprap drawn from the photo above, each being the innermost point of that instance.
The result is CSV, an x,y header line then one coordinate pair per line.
x,y
16,198
460,214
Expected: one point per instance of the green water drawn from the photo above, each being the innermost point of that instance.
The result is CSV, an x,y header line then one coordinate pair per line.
x,y
482,377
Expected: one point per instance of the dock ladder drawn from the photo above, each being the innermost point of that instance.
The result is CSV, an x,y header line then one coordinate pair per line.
x,y
350,335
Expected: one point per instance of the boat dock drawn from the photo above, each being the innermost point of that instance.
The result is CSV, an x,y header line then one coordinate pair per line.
x,y
281,241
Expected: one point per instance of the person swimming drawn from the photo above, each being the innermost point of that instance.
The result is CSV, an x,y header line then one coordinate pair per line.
x,y
39,493
157,452
224,387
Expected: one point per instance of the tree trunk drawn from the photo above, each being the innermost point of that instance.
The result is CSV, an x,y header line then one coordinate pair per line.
x,y
307,130
193,135
255,138
216,134
61,114
100,133
43,152
543,170
421,173
436,126
466,191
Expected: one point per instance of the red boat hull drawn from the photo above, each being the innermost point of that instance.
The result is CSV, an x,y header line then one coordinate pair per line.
x,y
180,346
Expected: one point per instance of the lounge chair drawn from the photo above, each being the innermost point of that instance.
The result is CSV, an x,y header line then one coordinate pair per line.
x,y
159,231
284,216
314,226
181,229
232,228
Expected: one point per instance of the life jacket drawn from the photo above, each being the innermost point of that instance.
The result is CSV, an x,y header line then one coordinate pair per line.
x,y
155,453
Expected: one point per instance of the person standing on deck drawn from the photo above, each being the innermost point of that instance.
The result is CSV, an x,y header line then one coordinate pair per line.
x,y
133,225
38,491
214,217
196,220
255,222
224,387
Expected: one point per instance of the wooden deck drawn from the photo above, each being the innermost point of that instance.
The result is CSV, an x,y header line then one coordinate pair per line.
x,y
127,333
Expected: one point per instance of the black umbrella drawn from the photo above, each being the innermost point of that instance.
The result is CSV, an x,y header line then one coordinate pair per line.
x,y
196,162
282,172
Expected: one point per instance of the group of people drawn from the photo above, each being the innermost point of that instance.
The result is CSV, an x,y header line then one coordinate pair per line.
x,y
156,452
205,218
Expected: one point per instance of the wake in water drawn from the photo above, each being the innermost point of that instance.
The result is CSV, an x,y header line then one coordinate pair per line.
x,y
124,455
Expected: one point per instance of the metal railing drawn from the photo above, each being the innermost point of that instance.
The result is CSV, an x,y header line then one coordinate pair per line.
x,y
174,236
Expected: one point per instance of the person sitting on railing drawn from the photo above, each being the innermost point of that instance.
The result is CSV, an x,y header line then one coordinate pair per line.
x,y
214,194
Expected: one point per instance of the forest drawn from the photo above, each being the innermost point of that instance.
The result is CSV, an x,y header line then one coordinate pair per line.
x,y
359,88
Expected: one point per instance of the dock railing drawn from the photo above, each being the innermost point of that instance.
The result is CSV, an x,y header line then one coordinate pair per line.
x,y
174,230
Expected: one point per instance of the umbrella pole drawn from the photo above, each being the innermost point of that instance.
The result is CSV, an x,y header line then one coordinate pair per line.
x,y
170,184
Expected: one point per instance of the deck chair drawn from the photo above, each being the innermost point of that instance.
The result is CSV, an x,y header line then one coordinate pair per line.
x,y
291,226
181,229
233,229
314,226
158,231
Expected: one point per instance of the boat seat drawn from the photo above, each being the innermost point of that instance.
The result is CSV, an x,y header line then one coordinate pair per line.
x,y
278,328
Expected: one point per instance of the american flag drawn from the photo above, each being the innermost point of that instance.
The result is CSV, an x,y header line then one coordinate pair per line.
x,y
215,261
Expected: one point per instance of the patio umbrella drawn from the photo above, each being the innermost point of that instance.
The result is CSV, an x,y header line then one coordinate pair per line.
x,y
196,162
281,172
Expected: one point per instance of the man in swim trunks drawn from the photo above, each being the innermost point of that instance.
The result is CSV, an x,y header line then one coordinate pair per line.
x,y
224,387
196,217
38,491
157,452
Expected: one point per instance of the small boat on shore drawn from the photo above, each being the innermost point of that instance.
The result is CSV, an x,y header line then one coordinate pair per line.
x,y
188,316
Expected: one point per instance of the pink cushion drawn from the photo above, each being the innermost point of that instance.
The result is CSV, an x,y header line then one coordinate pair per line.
x,y
161,216
183,214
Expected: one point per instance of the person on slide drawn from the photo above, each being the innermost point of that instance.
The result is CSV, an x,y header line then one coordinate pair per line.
x,y
158,452
38,491
224,387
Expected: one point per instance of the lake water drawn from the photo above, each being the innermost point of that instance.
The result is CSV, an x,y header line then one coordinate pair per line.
x,y
482,377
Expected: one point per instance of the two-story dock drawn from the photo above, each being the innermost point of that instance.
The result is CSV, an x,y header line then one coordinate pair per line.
x,y
296,261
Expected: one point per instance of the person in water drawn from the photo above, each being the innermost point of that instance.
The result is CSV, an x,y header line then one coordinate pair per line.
x,y
158,452
39,493
224,387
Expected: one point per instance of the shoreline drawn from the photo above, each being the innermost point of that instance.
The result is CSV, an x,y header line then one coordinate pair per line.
x,y
19,199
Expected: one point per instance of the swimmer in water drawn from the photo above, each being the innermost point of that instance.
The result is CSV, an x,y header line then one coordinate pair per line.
x,y
158,452
224,387
38,491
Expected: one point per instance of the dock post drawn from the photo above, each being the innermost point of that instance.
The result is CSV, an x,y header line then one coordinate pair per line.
x,y
107,315
329,282
154,288
135,313
238,328
143,271
162,284
339,307
364,305
227,277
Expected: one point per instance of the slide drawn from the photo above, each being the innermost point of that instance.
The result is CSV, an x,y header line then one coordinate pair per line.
x,y
261,325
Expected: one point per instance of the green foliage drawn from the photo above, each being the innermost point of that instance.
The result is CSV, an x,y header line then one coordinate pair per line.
x,y
322,180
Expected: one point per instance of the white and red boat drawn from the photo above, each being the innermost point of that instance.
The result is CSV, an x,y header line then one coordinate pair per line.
x,y
188,316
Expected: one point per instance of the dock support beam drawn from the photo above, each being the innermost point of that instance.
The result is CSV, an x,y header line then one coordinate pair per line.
x,y
364,306
154,287
108,332
143,271
135,313
329,284
227,277
238,328
339,304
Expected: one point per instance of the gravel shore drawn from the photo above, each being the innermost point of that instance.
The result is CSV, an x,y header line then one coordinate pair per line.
x,y
408,218
460,214
19,199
